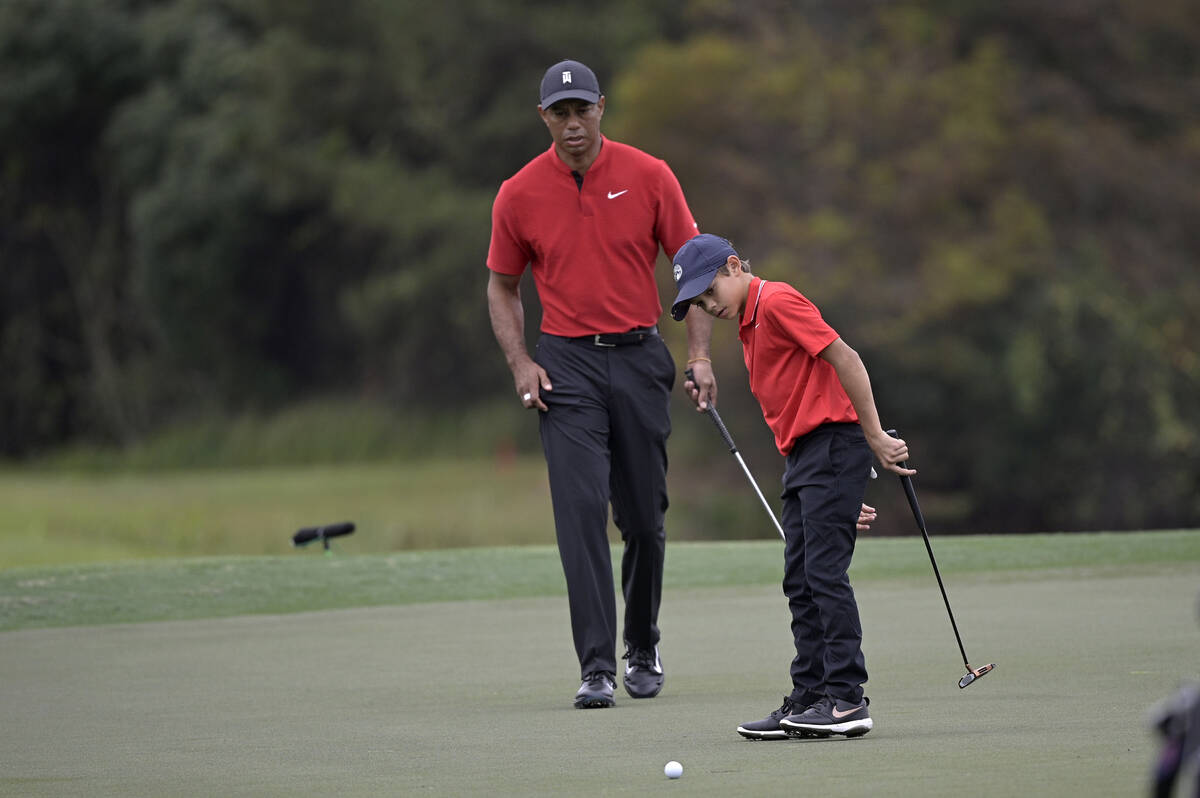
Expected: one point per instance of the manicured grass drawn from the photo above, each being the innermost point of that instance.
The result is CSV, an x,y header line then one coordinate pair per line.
x,y
306,579
472,698
159,636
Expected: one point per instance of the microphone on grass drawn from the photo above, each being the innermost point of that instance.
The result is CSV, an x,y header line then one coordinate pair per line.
x,y
322,533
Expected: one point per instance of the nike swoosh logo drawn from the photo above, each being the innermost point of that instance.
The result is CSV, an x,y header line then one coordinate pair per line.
x,y
837,713
656,669
611,195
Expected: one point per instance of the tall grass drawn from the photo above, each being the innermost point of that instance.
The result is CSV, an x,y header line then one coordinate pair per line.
x,y
310,433
72,516
326,431
240,485
215,487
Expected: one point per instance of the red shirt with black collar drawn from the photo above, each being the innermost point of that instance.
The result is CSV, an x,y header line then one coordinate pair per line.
x,y
782,336
591,248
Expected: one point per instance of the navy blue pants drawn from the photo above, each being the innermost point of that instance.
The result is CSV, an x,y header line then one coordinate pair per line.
x,y
823,488
605,440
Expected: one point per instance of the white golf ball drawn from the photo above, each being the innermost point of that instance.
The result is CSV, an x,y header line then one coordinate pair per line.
x,y
673,770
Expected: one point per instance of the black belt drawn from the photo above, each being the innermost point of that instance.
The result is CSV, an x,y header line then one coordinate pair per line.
x,y
634,336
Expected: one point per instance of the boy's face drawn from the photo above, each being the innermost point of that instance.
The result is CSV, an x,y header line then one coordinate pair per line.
x,y
725,297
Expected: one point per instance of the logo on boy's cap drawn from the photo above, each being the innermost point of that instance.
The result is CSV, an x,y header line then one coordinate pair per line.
x,y
569,80
695,264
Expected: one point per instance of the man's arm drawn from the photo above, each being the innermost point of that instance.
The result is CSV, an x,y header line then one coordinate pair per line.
x,y
508,324
857,384
703,389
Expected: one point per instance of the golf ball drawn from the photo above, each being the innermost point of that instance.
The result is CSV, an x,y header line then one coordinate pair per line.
x,y
673,770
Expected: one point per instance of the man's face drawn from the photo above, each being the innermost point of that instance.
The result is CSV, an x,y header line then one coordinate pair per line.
x,y
574,125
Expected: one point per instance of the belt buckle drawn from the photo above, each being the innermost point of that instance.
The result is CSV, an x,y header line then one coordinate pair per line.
x,y
596,340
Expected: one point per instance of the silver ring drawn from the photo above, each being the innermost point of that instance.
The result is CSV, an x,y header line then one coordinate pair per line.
x,y
527,397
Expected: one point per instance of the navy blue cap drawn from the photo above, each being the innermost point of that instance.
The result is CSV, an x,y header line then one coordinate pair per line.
x,y
696,263
569,80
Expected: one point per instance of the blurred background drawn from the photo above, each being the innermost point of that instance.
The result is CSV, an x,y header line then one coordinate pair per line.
x,y
251,234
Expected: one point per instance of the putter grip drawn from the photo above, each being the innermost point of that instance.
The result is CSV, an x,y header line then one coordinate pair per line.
x,y
896,435
909,492
715,416
310,533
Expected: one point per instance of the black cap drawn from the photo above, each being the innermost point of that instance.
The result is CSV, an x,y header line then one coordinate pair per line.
x,y
569,80
695,264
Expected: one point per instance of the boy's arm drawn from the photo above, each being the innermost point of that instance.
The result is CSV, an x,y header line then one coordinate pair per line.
x,y
857,384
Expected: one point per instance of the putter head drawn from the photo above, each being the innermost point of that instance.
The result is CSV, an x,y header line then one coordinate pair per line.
x,y
974,673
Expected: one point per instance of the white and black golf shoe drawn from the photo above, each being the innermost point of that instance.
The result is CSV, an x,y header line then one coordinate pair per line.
x,y
643,672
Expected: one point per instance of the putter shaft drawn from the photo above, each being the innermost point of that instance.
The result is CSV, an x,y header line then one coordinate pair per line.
x,y
972,673
745,469
716,419
916,509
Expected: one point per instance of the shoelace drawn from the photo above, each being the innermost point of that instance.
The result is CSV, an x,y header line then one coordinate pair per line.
x,y
596,675
825,706
788,708
639,657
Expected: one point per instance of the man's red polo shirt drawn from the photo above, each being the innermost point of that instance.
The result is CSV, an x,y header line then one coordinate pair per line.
x,y
783,336
592,250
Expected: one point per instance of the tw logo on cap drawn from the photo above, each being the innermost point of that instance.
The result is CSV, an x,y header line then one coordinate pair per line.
x,y
566,77
678,272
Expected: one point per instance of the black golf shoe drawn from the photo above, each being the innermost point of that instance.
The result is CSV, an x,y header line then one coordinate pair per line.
x,y
827,718
596,692
643,672
768,728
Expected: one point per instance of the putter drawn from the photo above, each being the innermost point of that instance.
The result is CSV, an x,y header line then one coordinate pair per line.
x,y
972,673
716,417
322,533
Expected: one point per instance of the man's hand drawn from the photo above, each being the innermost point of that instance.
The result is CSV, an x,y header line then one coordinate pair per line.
x,y
702,387
530,380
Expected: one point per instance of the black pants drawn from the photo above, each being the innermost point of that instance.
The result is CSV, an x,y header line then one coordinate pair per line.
x,y
605,436
823,489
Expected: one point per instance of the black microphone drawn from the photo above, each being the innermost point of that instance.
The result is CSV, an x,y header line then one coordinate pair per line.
x,y
310,533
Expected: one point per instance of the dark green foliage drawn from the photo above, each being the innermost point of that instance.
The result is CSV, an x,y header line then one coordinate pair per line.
x,y
224,206
995,203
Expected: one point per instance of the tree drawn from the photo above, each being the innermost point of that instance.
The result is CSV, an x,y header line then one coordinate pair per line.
x,y
1003,229
70,334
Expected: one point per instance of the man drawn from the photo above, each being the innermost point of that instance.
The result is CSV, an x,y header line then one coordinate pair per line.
x,y
587,217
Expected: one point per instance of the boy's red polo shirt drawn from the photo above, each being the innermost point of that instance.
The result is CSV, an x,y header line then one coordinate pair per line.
x,y
783,336
592,251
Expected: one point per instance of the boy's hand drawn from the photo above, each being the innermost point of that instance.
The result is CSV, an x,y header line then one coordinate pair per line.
x,y
700,384
865,516
891,452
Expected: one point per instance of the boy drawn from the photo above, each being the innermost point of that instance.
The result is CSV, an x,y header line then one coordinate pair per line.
x,y
816,398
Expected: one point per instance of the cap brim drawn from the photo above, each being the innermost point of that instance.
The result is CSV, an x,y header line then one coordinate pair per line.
x,y
692,289
571,94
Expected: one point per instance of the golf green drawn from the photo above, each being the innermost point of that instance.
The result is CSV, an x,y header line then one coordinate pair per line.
x,y
474,697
